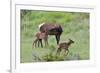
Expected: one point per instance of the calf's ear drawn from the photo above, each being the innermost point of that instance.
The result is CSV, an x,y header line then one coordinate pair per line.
x,y
69,39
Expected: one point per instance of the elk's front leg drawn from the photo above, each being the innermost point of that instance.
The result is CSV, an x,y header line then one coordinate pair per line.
x,y
41,42
57,38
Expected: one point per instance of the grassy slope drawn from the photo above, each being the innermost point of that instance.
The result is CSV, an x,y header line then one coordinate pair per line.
x,y
75,26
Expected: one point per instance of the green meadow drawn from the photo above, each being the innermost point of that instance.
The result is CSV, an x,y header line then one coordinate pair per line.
x,y
75,26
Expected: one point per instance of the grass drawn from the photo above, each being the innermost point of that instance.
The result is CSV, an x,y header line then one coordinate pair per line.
x,y
75,26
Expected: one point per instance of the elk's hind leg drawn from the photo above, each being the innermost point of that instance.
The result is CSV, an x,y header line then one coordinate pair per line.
x,y
38,43
58,51
34,43
67,52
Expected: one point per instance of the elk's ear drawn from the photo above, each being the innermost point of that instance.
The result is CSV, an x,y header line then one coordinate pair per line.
x,y
69,39
41,25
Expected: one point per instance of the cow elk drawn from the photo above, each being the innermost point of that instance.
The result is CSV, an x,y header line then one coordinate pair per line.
x,y
52,29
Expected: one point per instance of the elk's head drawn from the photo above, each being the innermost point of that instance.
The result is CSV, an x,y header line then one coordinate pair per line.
x,y
71,41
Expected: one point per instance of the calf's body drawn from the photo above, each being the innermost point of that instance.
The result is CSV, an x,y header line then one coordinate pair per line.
x,y
65,46
39,37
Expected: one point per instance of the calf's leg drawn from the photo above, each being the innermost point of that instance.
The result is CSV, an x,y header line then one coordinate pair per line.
x,y
41,42
58,51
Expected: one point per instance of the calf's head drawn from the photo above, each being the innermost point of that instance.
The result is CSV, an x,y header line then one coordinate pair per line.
x,y
71,41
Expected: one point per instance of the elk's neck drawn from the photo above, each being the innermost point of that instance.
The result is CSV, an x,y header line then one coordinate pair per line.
x,y
69,43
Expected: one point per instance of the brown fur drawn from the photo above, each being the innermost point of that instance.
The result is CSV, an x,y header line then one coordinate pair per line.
x,y
39,37
65,46
52,29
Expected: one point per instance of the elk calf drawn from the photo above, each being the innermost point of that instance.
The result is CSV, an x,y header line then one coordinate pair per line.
x,y
39,37
65,46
